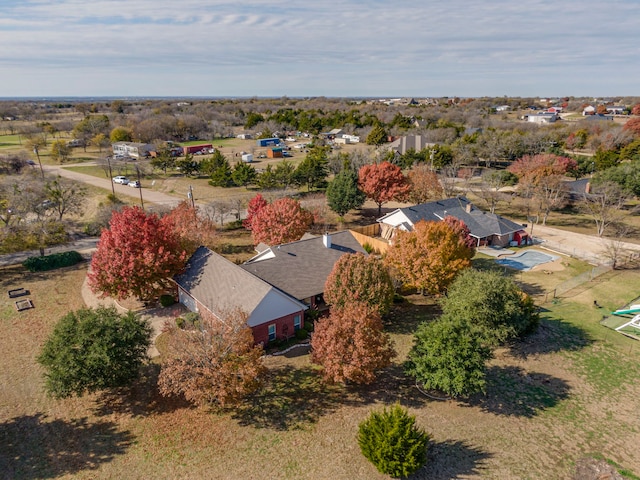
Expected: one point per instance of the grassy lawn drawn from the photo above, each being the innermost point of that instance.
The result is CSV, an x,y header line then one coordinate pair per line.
x,y
11,142
567,392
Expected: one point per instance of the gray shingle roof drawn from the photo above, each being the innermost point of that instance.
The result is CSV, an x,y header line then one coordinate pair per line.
x,y
221,285
301,268
481,224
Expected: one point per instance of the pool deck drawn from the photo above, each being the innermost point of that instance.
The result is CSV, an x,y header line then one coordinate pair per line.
x,y
495,252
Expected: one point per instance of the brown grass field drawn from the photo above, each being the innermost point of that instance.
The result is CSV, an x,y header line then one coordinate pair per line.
x,y
568,392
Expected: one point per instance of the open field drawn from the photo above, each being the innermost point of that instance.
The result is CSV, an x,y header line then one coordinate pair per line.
x,y
567,392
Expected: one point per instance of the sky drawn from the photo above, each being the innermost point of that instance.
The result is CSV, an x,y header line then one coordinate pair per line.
x,y
299,48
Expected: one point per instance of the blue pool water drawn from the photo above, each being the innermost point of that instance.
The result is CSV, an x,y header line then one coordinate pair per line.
x,y
526,260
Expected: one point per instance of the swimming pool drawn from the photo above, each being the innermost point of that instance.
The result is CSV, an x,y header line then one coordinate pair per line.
x,y
527,260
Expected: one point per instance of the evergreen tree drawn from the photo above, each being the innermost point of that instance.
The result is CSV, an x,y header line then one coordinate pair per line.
x,y
243,174
393,442
314,169
343,193
91,350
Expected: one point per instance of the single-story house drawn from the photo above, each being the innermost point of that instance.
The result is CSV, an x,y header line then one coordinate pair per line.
x,y
211,285
131,149
301,268
543,117
486,228
275,287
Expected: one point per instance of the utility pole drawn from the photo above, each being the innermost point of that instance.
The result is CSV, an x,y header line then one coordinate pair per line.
x,y
190,196
35,150
140,186
113,188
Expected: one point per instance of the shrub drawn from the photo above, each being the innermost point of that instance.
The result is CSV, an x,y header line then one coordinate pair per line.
x,y
367,247
302,334
392,442
308,326
53,261
167,300
188,321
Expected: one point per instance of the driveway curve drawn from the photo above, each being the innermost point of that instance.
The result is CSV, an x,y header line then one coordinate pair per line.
x,y
149,196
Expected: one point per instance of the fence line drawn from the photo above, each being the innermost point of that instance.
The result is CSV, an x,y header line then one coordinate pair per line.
x,y
574,282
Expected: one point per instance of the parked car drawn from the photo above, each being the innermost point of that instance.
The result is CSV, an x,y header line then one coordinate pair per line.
x,y
121,179
134,184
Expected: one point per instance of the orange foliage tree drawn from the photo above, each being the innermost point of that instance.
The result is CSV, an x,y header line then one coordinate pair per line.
x,y
540,177
462,230
351,345
136,255
212,362
424,183
279,222
383,182
359,278
430,257
193,229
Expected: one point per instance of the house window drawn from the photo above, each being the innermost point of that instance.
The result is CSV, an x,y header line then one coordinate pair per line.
x,y
272,332
296,323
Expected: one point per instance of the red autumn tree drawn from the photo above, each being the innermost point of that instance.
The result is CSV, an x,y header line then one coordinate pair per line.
x,y
430,257
424,183
255,204
212,361
383,182
192,228
282,221
633,125
635,110
359,278
351,345
136,255
462,230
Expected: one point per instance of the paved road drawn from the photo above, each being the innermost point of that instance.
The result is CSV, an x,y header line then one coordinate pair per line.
x,y
149,196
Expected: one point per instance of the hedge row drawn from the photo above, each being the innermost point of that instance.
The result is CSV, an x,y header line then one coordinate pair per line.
x,y
53,261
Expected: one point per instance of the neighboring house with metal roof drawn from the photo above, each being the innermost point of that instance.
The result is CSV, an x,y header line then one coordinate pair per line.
x,y
211,285
275,287
486,228
301,268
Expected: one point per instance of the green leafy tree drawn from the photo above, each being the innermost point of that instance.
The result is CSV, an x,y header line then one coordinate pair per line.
x,y
449,355
492,302
243,174
605,159
91,350
100,141
359,278
252,120
393,442
343,193
60,151
121,134
313,170
377,136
